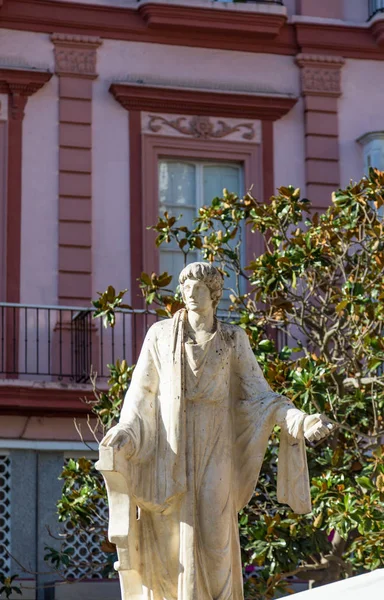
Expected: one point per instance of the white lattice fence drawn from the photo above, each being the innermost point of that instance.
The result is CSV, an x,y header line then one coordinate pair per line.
x,y
5,515
86,544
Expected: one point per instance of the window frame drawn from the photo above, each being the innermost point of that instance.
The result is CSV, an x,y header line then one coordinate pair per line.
x,y
156,147
199,166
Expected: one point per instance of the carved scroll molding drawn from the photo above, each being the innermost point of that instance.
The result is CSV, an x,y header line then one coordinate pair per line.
x,y
201,127
76,55
320,75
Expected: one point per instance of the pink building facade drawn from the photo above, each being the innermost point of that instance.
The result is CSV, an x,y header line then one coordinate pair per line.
x,y
111,111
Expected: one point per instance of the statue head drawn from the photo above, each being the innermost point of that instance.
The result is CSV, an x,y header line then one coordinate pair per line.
x,y
206,273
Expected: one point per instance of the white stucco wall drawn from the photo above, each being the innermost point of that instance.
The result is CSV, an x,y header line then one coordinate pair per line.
x,y
361,110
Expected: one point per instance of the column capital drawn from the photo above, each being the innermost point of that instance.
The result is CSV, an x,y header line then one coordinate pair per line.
x,y
75,55
19,84
320,74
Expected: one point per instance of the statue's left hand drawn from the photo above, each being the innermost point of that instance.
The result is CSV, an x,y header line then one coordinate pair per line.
x,y
316,427
118,437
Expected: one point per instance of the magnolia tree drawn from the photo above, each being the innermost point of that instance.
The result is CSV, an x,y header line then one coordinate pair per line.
x,y
313,307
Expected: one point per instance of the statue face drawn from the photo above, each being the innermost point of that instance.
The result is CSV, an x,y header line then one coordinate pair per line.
x,y
197,296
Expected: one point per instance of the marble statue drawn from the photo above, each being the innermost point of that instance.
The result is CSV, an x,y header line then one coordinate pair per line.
x,y
186,454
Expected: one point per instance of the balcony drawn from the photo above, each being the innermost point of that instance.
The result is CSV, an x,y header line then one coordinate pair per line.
x,y
375,7
263,18
64,343
281,2
47,354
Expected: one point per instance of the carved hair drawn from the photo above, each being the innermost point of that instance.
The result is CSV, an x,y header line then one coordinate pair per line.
x,y
208,274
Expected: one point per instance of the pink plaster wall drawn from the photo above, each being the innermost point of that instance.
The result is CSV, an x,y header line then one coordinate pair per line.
x,y
43,428
290,149
291,6
356,10
24,48
117,60
110,213
3,189
39,228
330,9
360,111
39,176
242,70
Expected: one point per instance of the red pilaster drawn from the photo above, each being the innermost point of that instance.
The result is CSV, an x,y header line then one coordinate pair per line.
x,y
321,87
75,58
135,205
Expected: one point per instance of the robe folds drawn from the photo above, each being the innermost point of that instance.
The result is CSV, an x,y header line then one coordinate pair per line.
x,y
200,416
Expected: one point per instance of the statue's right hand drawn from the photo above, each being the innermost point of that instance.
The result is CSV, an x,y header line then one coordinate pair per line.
x,y
118,437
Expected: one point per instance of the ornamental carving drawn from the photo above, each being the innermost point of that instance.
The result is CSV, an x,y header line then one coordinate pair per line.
x,y
320,75
17,105
325,81
76,55
201,127
75,62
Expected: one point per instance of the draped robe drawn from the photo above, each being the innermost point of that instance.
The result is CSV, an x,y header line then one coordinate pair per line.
x,y
200,416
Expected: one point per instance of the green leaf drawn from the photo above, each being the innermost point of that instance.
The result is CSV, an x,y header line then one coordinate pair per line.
x,y
340,307
365,482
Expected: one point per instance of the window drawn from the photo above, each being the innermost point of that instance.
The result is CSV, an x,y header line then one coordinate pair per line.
x,y
373,152
87,557
185,186
5,513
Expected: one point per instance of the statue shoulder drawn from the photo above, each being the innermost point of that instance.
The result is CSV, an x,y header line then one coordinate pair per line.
x,y
160,328
232,333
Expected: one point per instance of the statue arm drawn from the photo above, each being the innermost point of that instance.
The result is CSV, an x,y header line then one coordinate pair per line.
x,y
253,383
136,428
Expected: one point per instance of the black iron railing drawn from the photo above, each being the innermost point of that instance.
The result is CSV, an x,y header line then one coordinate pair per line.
x,y
374,7
64,343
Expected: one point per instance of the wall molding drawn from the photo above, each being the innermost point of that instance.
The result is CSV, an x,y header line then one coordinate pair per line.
x,y
320,75
212,19
173,100
7,444
16,400
128,23
19,84
339,39
75,55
